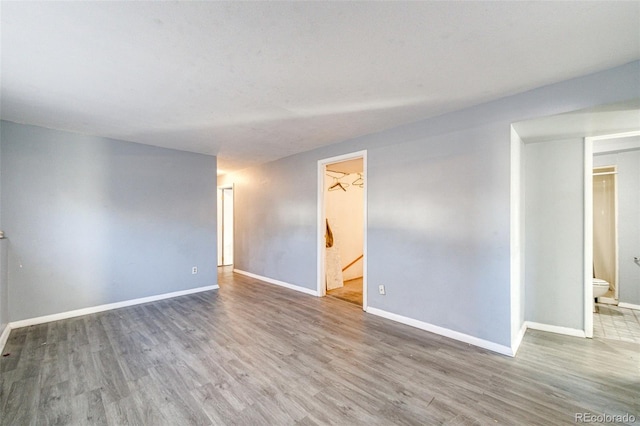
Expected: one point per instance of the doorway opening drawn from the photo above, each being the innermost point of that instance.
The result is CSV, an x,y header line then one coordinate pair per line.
x,y
609,262
225,226
605,234
342,228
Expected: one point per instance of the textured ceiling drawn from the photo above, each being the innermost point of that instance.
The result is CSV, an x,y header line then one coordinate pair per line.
x,y
252,82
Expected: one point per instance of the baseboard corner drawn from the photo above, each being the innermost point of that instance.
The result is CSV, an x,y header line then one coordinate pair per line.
x,y
517,341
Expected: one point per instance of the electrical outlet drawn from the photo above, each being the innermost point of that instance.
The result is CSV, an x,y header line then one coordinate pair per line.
x,y
194,270
381,289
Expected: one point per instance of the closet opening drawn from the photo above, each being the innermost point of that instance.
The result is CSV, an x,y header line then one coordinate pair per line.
x,y
342,228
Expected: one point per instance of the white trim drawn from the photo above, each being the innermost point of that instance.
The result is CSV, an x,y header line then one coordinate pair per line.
x,y
517,341
277,282
516,243
365,224
616,289
321,288
588,239
556,329
107,307
629,306
4,337
501,349
220,225
615,136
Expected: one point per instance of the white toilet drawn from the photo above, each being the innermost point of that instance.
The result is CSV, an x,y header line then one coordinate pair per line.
x,y
600,288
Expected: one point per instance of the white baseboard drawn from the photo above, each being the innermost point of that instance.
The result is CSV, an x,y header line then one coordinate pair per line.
x,y
555,329
501,349
107,307
277,282
515,344
629,306
4,337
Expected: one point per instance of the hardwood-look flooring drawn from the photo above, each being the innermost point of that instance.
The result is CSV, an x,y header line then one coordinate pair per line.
x,y
351,291
255,354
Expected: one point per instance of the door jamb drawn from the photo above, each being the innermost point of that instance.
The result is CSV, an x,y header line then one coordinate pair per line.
x,y
222,188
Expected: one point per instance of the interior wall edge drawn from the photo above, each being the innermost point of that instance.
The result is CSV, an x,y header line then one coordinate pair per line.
x,y
516,240
517,341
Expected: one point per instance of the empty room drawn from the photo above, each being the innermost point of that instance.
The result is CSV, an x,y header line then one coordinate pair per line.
x,y
310,213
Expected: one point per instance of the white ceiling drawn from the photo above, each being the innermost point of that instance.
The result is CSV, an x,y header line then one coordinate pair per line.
x,y
255,81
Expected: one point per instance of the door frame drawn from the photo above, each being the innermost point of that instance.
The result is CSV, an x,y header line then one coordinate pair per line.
x,y
221,190
321,225
588,225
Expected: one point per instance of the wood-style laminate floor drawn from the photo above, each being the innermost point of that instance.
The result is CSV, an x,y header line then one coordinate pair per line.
x,y
256,354
351,291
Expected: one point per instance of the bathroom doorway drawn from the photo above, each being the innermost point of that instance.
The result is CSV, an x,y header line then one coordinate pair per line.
x,y
616,236
605,230
342,228
612,234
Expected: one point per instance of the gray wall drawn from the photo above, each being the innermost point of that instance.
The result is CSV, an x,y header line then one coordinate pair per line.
x,y
92,221
4,286
439,230
438,208
554,233
275,220
628,181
